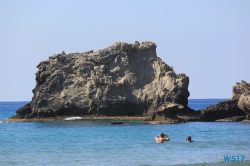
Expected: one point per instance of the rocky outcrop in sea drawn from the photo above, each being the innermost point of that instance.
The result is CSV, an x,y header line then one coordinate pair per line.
x,y
121,80
244,104
235,109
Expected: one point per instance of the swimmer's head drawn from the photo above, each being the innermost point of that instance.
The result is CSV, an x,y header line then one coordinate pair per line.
x,y
162,135
188,138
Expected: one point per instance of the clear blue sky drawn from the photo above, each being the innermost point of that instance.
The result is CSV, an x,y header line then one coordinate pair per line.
x,y
209,40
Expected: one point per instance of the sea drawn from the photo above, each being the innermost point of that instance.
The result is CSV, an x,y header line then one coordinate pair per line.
x,y
97,143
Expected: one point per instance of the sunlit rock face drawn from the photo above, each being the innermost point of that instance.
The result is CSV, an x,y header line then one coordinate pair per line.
x,y
123,79
239,89
244,98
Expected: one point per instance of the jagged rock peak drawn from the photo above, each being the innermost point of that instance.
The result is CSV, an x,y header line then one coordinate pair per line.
x,y
240,88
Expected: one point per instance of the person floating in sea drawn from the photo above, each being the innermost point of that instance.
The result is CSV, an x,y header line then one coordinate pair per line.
x,y
160,138
188,139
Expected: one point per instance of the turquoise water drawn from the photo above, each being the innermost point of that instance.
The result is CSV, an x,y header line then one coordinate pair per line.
x,y
98,143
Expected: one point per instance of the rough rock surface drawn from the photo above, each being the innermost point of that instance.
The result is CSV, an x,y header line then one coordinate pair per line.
x,y
239,89
123,79
224,109
167,110
232,119
229,108
167,113
244,97
244,103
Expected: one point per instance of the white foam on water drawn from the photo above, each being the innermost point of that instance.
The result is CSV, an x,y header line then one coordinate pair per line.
x,y
73,118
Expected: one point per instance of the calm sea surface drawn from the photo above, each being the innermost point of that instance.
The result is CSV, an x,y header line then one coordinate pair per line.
x,y
98,143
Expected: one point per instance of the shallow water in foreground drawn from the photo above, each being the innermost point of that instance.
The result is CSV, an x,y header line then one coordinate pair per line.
x,y
99,143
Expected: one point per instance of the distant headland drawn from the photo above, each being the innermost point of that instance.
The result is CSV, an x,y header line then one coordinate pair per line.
x,y
126,81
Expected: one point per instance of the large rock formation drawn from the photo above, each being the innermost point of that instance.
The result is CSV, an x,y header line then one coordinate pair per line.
x,y
230,110
123,79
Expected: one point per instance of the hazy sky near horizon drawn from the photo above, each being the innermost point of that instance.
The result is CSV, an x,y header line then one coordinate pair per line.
x,y
209,40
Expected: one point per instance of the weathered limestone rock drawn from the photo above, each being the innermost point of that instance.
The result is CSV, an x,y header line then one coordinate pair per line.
x,y
229,110
123,79
239,89
244,104
167,110
242,91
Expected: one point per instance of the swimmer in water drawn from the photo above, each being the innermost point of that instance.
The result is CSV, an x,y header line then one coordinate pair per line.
x,y
160,138
188,139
